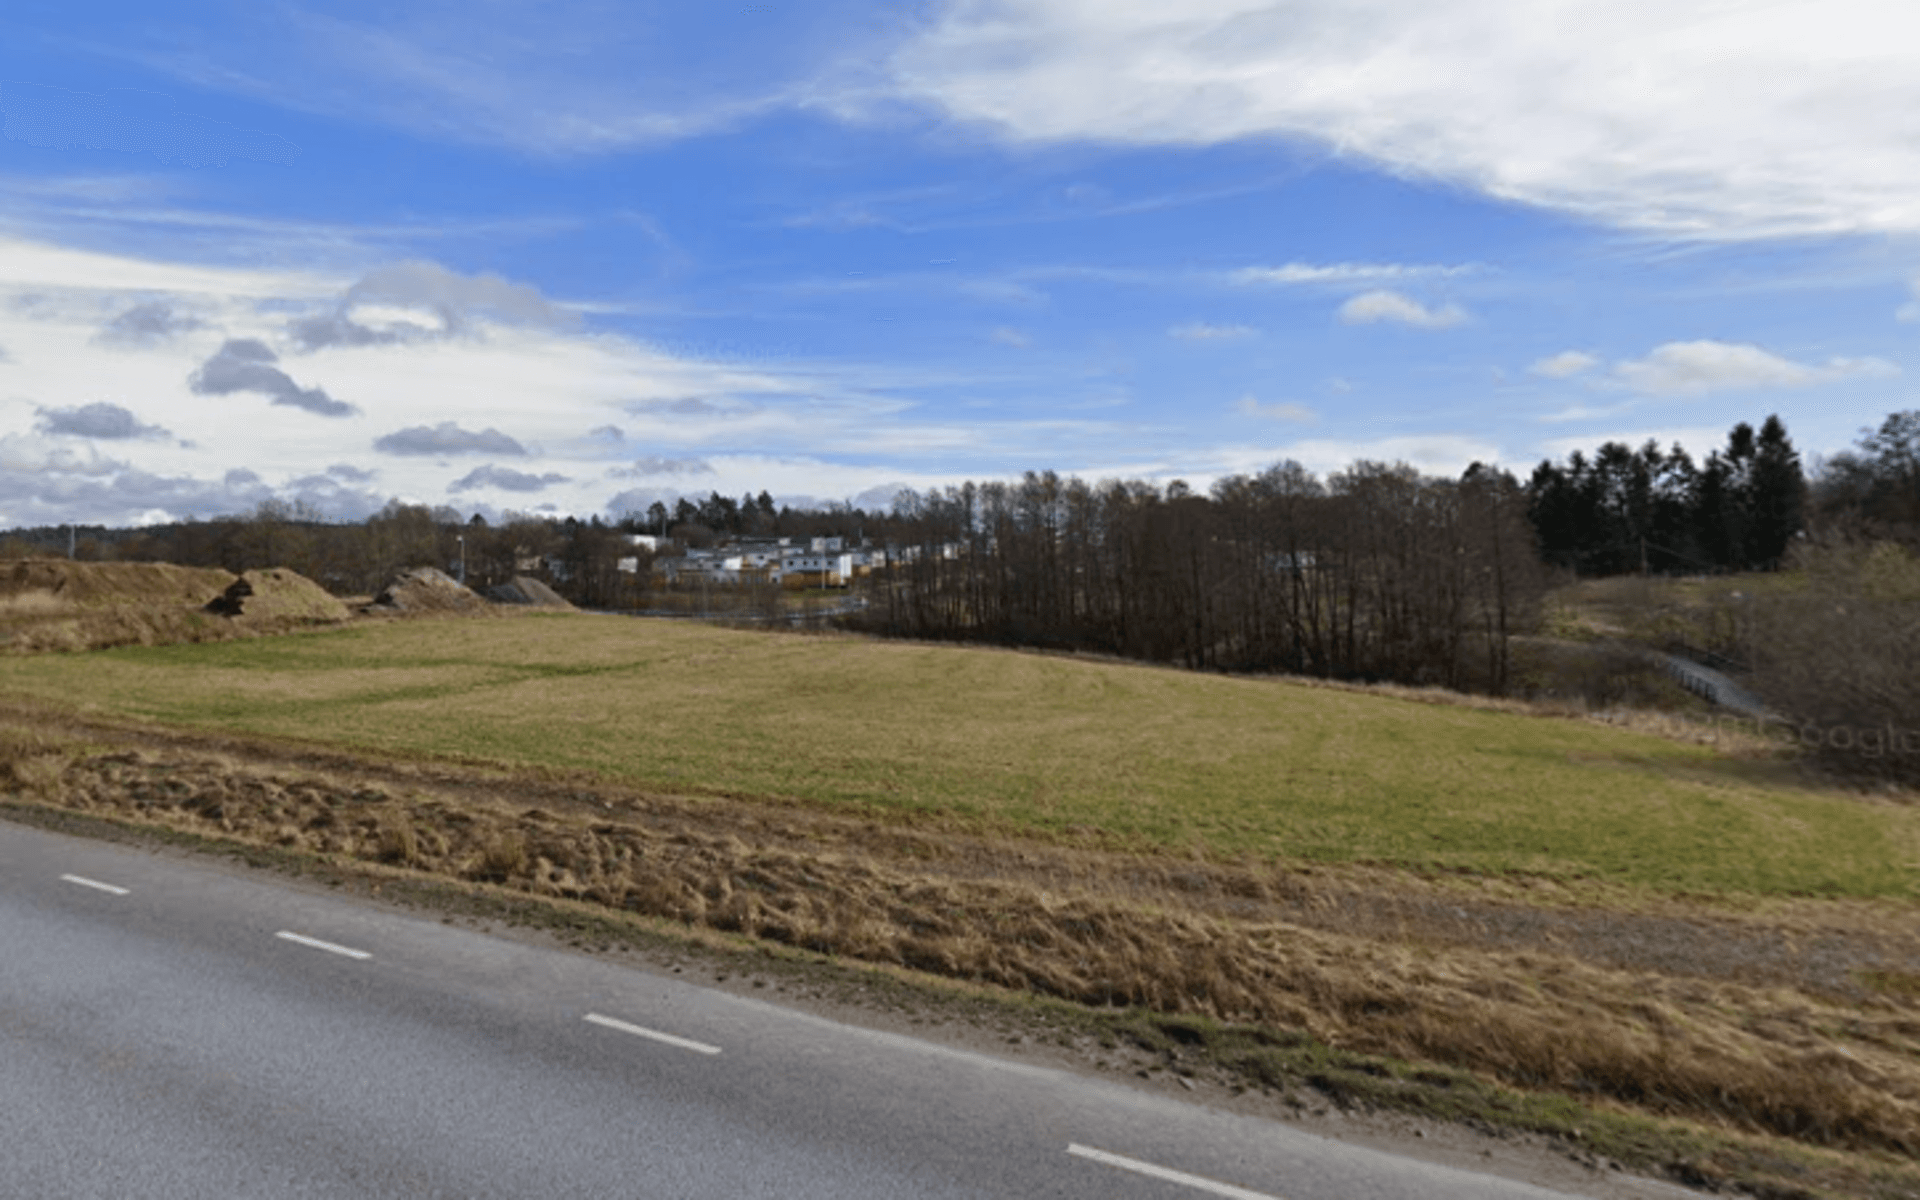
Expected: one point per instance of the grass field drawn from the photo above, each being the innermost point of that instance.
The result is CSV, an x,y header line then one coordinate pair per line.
x,y
1232,767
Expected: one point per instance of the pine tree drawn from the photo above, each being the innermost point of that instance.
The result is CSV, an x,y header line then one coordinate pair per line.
x,y
1775,498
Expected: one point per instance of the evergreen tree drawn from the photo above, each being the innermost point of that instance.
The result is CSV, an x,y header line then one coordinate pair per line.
x,y
1713,520
1775,497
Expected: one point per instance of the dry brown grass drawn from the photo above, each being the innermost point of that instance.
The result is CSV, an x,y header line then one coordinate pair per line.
x,y
1793,1022
53,605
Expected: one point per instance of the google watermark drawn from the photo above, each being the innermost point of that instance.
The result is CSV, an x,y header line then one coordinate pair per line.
x,y
1876,741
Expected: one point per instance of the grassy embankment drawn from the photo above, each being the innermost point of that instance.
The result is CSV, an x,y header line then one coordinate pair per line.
x,y
1335,868
1021,742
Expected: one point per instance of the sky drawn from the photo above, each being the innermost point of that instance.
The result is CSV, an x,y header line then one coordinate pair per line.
x,y
573,257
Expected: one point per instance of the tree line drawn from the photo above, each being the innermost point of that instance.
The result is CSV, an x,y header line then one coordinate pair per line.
x,y
1376,573
1643,510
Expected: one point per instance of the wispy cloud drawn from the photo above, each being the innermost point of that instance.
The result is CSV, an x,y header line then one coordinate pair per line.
x,y
146,324
1370,307
1250,407
1564,364
136,122
1199,331
643,468
1702,119
1293,274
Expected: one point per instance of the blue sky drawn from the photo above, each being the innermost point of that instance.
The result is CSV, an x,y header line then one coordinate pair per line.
x,y
573,257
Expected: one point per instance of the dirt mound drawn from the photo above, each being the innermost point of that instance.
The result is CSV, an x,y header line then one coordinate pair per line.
x,y
428,590
46,584
56,604
524,589
278,597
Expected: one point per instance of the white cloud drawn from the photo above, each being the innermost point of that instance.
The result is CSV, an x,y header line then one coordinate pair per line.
x,y
1697,440
1580,412
1910,311
1432,454
1199,331
573,77
29,454
1692,368
1250,407
1696,117
1563,364
1341,273
1374,306
1011,337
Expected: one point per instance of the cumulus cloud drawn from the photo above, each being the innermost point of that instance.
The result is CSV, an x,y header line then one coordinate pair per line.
x,y
1692,368
1910,311
1198,331
1563,364
137,122
454,300
637,500
322,330
24,455
503,478
246,365
447,438
1250,407
123,495
655,465
350,473
1369,307
1693,117
608,433
144,324
100,420
880,497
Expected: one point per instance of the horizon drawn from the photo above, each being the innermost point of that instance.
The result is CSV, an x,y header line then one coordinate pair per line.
x,y
572,263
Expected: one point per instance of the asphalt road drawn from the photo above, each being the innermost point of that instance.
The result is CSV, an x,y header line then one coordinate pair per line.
x,y
172,1029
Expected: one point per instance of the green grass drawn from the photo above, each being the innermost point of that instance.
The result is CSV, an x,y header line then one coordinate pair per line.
x,y
1171,758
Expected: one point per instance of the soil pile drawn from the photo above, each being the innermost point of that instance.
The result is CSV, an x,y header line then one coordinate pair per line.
x,y
44,584
427,590
57,604
526,590
278,597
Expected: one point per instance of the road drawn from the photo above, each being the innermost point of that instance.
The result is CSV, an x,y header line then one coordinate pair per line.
x,y
173,1028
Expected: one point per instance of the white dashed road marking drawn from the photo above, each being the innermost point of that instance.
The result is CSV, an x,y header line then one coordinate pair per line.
x,y
1172,1176
95,883
657,1036
317,944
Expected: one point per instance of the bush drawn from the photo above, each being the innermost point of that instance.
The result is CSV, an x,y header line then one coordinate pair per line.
x,y
1840,658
